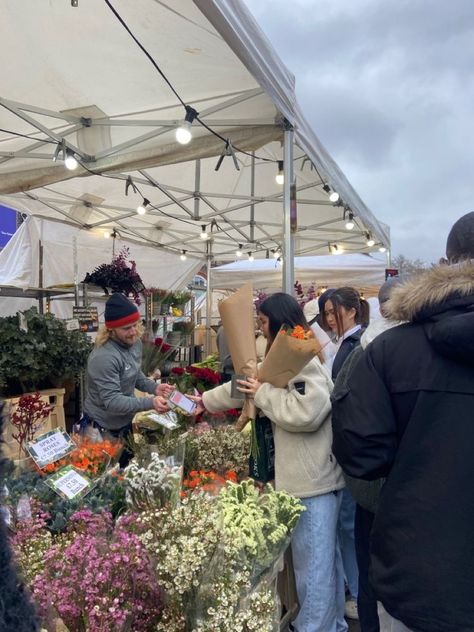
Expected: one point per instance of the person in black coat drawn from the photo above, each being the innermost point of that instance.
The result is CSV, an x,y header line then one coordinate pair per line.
x,y
407,414
16,610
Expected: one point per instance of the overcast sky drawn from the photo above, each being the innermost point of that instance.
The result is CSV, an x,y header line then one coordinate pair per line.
x,y
388,86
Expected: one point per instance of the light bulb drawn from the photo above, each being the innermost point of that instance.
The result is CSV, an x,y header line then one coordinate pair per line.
x,y
203,234
334,196
141,209
370,242
280,178
183,256
106,234
238,253
183,133
70,162
276,254
251,257
335,249
382,249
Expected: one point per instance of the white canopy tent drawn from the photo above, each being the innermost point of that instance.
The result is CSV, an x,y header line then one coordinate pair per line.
x,y
77,82
68,253
363,271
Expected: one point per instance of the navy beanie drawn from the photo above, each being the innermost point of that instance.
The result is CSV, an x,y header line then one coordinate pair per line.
x,y
120,312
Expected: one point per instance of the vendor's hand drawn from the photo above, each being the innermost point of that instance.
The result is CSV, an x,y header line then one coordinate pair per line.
x,y
197,399
249,386
164,390
160,404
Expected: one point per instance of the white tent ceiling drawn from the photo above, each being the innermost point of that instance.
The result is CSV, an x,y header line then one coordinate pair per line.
x,y
74,73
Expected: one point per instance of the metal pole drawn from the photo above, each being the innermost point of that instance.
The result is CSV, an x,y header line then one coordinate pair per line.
x,y
197,188
40,277
288,239
207,346
252,193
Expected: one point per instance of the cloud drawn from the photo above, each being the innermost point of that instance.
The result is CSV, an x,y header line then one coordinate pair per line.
x,y
388,87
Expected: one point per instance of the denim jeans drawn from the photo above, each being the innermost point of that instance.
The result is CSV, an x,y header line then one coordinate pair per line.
x,y
318,566
345,533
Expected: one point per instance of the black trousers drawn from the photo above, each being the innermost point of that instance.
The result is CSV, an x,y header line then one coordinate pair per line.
x,y
366,601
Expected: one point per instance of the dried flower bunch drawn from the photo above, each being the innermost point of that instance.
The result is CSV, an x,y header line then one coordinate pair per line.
x,y
153,485
220,449
119,276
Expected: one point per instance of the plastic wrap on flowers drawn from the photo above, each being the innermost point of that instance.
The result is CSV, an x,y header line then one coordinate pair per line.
x,y
154,481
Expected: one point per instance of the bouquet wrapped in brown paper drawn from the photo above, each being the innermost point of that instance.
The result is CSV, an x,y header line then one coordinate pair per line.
x,y
290,352
238,320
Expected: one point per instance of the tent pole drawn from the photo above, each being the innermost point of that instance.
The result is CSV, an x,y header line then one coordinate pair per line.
x,y
252,193
288,239
207,346
197,188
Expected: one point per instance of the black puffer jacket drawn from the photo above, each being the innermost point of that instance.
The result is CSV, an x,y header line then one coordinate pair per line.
x,y
408,413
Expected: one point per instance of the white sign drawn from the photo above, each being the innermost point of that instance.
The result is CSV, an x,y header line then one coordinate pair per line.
x,y
167,420
50,447
70,483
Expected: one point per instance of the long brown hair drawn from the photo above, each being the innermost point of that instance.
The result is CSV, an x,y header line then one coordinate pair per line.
x,y
349,298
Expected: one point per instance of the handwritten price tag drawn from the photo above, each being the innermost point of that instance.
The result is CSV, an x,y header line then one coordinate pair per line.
x,y
50,447
69,483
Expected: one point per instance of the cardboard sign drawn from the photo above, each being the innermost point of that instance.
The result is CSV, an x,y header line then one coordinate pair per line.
x,y
69,483
50,447
88,318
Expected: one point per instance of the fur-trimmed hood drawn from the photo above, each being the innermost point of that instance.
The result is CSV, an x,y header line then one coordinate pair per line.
x,y
442,300
433,291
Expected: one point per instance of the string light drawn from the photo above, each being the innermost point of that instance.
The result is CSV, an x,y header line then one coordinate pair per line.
x,y
238,253
70,161
204,234
370,240
334,249
106,234
350,220
183,255
382,248
183,132
141,208
275,254
333,195
280,177
251,257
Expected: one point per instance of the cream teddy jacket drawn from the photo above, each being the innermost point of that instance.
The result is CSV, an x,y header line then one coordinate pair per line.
x,y
304,463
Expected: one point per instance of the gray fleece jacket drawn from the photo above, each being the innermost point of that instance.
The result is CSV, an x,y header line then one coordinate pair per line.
x,y
301,416
113,374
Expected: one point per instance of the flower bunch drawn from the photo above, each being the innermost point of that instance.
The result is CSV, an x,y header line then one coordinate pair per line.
x,y
84,578
30,541
152,485
220,449
154,355
207,481
27,418
190,377
261,297
92,458
220,418
303,295
119,276
297,332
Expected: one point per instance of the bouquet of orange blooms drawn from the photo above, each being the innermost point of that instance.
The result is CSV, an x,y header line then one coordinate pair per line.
x,y
298,332
210,482
91,458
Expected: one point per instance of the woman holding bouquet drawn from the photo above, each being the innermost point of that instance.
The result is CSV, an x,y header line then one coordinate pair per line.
x,y
304,467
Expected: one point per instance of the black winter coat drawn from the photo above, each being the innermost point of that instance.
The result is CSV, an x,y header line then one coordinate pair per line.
x,y
408,413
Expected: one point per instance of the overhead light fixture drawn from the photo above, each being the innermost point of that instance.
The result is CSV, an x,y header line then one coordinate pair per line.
x,y
350,219
280,177
183,132
238,252
251,257
333,195
203,234
141,209
275,254
370,240
183,255
382,248
280,260
106,234
334,249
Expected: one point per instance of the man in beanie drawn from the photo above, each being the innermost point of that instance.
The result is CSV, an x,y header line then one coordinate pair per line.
x,y
406,413
113,373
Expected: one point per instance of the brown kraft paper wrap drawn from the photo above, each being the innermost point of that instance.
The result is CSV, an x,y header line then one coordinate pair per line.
x,y
286,358
238,320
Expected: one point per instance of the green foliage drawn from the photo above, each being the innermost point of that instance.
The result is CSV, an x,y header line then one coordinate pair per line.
x,y
41,356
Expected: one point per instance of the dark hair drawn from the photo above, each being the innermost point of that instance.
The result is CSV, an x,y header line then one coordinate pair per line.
x,y
460,243
282,309
349,298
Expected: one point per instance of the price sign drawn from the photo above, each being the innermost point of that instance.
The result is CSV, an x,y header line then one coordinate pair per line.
x,y
88,318
167,420
50,447
69,483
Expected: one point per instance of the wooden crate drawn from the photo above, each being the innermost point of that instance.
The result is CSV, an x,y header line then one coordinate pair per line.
x,y
55,398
